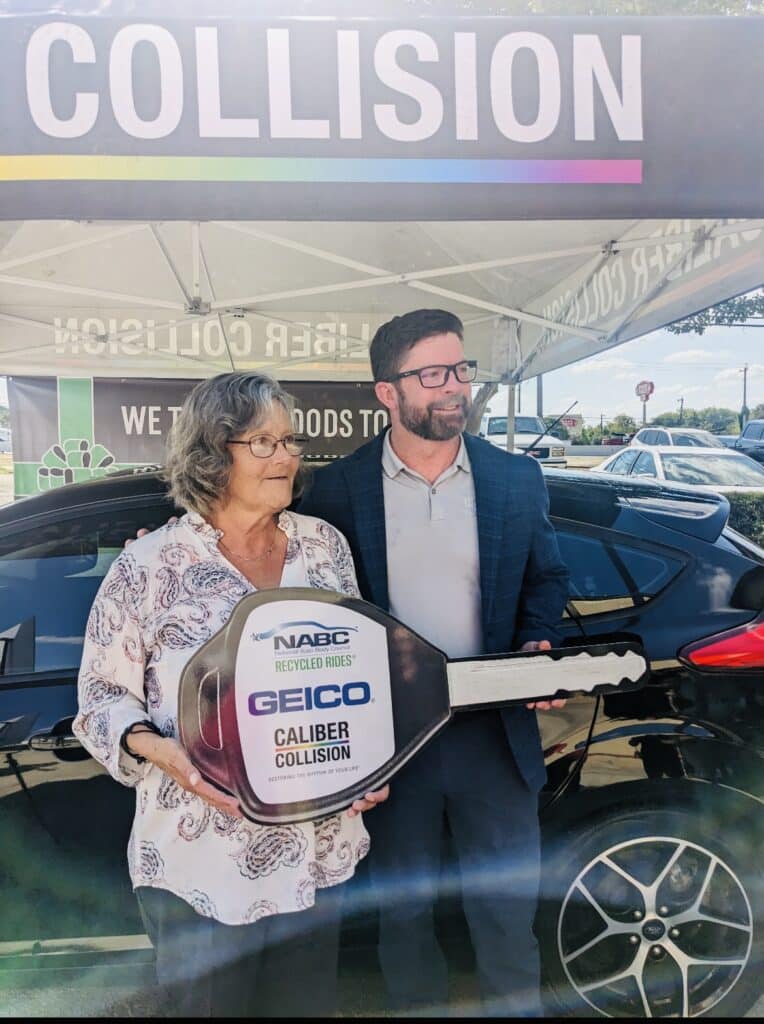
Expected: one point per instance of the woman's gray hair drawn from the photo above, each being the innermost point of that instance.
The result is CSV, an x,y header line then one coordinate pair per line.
x,y
199,460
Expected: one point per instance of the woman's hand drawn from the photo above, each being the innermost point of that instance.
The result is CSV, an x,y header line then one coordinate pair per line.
x,y
169,756
370,800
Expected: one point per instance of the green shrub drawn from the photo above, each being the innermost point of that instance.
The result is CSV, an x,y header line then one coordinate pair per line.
x,y
747,515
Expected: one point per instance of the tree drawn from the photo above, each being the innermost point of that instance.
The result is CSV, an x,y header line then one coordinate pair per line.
x,y
559,430
590,435
718,420
670,419
714,418
732,311
621,424
757,413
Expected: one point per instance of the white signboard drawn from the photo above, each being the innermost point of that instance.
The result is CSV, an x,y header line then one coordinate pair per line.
x,y
313,703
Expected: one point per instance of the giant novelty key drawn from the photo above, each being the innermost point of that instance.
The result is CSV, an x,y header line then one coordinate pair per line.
x,y
307,699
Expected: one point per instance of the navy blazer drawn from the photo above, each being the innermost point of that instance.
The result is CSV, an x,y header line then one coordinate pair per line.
x,y
523,581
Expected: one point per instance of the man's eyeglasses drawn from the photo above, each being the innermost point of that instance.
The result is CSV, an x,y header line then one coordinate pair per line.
x,y
436,376
263,446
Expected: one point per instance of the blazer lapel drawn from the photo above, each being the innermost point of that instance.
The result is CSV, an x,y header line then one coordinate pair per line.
x,y
491,501
364,481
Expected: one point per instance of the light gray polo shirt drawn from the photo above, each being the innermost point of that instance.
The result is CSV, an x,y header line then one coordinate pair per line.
x,y
433,561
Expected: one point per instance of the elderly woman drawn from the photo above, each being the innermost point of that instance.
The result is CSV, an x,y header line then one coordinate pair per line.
x,y
242,916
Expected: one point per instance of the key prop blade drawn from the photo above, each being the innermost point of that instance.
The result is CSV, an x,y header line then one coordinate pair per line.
x,y
545,675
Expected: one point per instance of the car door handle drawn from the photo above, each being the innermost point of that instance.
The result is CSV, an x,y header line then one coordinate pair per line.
x,y
60,737
54,742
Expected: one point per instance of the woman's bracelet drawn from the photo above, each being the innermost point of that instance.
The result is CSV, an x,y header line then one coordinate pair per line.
x,y
135,730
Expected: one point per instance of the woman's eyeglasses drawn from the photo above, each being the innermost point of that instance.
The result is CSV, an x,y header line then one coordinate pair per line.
x,y
263,446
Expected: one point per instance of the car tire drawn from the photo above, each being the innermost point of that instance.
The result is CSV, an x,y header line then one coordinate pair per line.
x,y
651,911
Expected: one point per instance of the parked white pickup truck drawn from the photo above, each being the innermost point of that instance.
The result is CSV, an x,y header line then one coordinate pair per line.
x,y
547,449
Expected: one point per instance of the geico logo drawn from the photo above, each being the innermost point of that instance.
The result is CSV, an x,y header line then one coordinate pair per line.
x,y
306,698
292,641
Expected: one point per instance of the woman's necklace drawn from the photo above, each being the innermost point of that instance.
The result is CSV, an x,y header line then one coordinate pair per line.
x,y
249,558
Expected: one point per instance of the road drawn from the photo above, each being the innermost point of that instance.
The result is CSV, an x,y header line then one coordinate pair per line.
x,y
361,995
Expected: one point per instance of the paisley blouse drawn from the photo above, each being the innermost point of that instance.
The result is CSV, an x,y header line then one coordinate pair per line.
x,y
160,600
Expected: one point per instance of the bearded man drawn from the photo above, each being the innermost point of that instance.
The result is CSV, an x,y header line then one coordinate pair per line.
x,y
452,536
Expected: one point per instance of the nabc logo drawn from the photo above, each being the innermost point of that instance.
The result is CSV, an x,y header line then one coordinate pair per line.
x,y
320,636
293,641
306,698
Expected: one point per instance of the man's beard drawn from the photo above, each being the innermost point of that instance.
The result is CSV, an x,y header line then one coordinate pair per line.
x,y
428,424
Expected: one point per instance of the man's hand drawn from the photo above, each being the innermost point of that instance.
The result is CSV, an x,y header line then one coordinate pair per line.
x,y
370,800
170,757
143,531
541,705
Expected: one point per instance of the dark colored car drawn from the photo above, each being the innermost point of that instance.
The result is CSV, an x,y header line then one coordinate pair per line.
x,y
652,816
616,439
751,440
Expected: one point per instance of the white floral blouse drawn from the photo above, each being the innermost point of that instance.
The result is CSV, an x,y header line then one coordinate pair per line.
x,y
160,600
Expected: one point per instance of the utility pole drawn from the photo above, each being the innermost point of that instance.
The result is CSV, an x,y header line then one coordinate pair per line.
x,y
539,395
744,411
681,410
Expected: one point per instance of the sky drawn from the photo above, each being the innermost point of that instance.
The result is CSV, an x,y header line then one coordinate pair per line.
x,y
704,369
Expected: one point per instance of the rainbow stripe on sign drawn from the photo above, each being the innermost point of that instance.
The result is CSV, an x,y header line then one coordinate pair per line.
x,y
336,170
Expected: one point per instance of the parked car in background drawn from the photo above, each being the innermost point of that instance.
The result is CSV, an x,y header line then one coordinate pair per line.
x,y
715,469
728,440
651,817
616,439
751,440
684,437
5,439
530,438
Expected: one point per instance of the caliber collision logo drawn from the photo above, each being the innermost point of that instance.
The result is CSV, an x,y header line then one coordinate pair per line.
x,y
312,744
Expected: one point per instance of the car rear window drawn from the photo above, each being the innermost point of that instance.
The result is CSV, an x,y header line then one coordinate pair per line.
x,y
609,571
623,463
49,576
710,469
702,440
645,465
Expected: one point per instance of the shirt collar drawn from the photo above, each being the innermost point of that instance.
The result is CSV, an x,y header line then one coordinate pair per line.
x,y
392,464
210,536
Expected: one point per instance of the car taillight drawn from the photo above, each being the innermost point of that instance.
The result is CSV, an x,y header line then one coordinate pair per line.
x,y
741,647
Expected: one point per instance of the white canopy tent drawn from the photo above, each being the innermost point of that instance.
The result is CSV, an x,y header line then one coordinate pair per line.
x,y
302,299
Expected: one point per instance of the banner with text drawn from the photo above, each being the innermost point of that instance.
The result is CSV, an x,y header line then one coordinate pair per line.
x,y
235,117
67,430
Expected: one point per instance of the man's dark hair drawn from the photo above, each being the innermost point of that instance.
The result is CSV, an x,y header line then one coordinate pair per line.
x,y
395,338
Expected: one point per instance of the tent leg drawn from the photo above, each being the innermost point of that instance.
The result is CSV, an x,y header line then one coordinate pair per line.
x,y
511,417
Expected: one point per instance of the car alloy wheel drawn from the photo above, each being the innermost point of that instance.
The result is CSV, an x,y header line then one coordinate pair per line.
x,y
672,926
653,910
